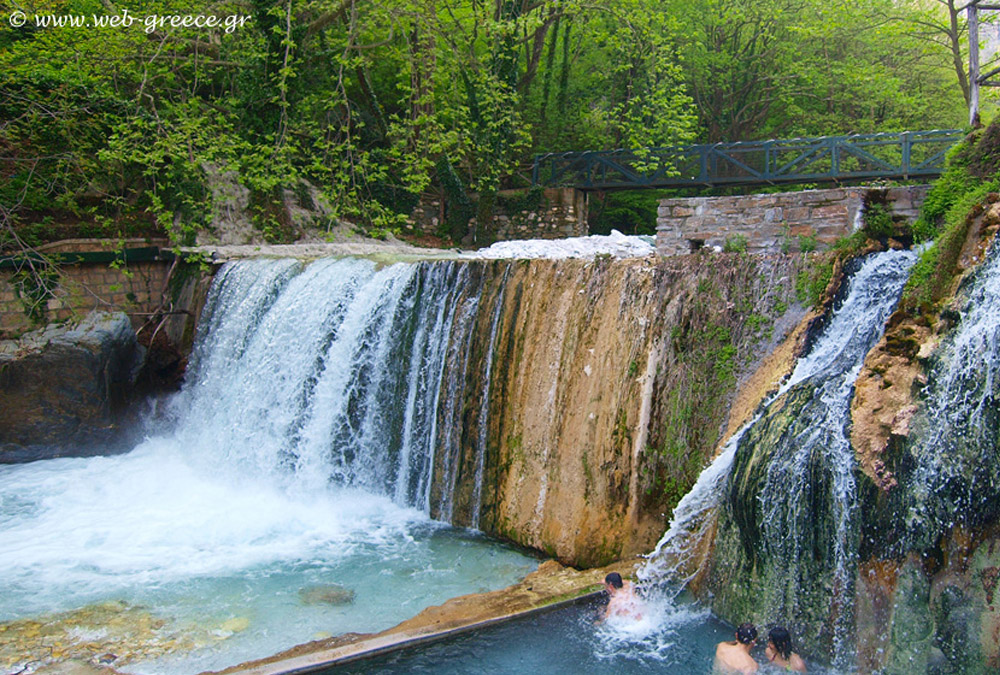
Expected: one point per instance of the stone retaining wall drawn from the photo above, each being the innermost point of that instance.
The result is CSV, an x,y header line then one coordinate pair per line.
x,y
560,212
135,289
770,223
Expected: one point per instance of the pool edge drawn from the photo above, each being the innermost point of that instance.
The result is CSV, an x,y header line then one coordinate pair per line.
x,y
420,629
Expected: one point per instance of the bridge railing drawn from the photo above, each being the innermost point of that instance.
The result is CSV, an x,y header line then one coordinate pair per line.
x,y
911,154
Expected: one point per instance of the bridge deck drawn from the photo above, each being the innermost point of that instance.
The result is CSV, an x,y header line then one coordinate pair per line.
x,y
825,159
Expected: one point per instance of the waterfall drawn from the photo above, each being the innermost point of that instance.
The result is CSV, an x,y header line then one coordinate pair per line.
x,y
336,371
450,410
773,474
322,401
954,478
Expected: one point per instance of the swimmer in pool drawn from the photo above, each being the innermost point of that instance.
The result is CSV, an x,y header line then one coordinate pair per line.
x,y
779,651
734,657
622,600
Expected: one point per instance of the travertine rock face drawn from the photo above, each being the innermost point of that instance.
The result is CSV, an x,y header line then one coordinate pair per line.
x,y
612,382
888,386
62,388
884,394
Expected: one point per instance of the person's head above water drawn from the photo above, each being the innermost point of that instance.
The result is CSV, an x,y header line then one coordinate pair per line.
x,y
782,641
746,634
613,579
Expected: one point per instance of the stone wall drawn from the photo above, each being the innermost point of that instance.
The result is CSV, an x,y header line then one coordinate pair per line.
x,y
135,289
770,223
558,213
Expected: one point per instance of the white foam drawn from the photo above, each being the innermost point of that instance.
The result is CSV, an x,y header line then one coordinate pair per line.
x,y
615,244
153,517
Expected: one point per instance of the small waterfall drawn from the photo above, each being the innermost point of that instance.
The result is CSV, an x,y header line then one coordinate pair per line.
x,y
815,462
954,478
794,458
484,406
679,556
450,410
332,372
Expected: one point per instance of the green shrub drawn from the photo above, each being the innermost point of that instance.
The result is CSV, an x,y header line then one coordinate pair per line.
x,y
878,221
932,274
807,243
736,243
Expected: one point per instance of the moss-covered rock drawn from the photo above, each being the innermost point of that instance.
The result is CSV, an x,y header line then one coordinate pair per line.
x,y
777,561
911,647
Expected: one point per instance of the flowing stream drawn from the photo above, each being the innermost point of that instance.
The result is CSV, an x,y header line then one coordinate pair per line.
x,y
282,495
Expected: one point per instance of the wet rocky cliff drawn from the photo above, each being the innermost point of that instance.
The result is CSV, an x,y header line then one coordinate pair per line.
x,y
610,384
861,509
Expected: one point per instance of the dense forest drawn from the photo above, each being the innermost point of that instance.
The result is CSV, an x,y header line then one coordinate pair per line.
x,y
117,129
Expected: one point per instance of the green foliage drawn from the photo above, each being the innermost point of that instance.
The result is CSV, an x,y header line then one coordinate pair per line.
x,y
736,243
458,209
755,322
708,356
376,103
807,243
971,173
811,283
931,276
629,212
781,68
268,214
522,201
878,221
34,280
946,190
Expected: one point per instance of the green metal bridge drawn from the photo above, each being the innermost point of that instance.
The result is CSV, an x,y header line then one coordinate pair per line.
x,y
826,159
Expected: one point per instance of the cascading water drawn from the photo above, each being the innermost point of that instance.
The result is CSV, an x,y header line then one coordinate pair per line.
x,y
477,492
954,477
450,428
339,380
298,456
762,493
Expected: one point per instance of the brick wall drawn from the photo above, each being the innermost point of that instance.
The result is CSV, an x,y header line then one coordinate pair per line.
x,y
136,289
773,222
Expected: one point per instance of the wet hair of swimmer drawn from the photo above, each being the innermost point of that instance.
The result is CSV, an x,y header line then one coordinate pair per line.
x,y
746,633
782,641
614,579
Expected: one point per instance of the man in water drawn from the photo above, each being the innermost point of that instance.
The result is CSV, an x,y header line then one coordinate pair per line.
x,y
622,600
734,657
779,650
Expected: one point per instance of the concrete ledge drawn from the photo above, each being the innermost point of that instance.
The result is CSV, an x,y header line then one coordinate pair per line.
x,y
550,587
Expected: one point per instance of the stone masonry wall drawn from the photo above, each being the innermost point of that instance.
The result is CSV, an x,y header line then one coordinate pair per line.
x,y
772,222
135,289
562,213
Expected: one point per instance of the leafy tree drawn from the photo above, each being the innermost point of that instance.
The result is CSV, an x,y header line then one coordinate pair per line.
x,y
373,104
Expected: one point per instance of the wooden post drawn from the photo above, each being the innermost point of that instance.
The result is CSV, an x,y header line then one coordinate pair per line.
x,y
973,65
